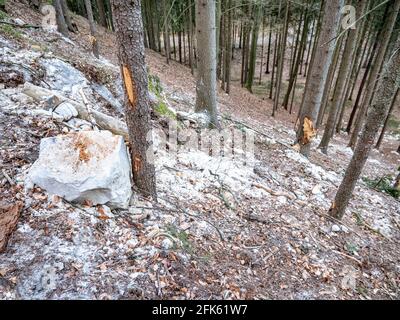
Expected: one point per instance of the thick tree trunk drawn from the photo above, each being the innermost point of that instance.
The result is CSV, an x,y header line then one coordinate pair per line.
x,y
388,84
206,97
129,31
318,75
93,33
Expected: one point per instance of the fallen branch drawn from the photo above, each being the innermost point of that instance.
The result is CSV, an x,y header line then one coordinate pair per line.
x,y
26,26
102,120
8,178
274,193
257,131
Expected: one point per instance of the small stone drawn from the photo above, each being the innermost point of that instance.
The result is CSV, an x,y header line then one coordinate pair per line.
x,y
67,111
336,228
167,244
316,190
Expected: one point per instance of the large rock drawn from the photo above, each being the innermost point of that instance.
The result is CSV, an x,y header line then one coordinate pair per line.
x,y
89,165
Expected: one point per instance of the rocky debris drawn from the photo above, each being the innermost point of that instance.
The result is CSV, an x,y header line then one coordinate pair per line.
x,y
9,215
67,111
196,120
89,166
11,78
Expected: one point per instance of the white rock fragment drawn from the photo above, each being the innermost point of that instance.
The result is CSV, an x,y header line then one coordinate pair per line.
x,y
336,228
167,244
67,111
90,165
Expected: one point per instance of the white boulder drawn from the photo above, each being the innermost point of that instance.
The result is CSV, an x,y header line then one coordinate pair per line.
x,y
89,165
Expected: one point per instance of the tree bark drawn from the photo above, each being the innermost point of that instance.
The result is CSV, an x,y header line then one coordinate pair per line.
x,y
129,31
102,13
384,39
61,24
382,135
318,75
388,84
340,91
93,33
206,97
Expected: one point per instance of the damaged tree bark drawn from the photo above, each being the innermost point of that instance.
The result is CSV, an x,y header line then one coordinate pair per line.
x,y
127,19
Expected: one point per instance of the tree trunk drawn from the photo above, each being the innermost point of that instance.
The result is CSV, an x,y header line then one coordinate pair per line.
x,y
327,89
206,99
89,12
392,104
129,31
318,75
281,60
388,84
253,51
67,16
61,24
340,91
102,13
384,39
297,62
361,88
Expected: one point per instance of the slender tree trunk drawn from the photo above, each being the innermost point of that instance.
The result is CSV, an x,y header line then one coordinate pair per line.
x,y
67,16
344,71
297,62
318,75
61,24
269,46
262,50
253,51
392,104
281,60
165,30
129,32
384,39
388,84
327,89
228,48
95,44
102,13
361,88
206,99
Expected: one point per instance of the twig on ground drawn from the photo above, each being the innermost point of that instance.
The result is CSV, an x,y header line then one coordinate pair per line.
x,y
8,178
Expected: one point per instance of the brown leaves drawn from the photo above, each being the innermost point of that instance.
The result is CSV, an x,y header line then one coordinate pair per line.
x,y
9,215
129,86
309,132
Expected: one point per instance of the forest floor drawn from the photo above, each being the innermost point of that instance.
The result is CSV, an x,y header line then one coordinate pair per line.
x,y
221,229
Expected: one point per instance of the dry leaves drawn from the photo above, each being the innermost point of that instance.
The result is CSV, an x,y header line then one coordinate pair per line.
x,y
9,215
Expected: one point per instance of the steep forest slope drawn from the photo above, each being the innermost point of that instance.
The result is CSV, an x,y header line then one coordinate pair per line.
x,y
221,228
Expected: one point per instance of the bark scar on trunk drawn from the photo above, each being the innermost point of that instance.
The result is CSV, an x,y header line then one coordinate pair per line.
x,y
309,132
130,86
137,163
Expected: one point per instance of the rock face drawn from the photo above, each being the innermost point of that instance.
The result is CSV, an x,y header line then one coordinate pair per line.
x,y
89,165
